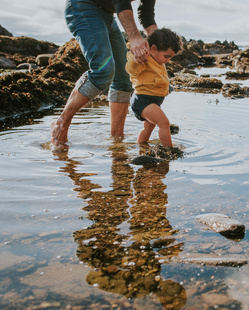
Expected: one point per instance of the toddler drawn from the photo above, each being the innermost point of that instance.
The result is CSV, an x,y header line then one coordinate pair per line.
x,y
151,84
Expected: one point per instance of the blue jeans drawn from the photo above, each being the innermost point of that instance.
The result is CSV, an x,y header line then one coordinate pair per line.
x,y
104,49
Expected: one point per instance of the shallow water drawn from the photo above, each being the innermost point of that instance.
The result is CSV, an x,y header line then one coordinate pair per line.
x,y
84,228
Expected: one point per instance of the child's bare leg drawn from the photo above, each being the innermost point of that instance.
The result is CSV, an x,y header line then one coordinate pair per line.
x,y
155,115
145,133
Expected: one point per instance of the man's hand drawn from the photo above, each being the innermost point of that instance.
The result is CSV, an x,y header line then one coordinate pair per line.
x,y
140,49
138,45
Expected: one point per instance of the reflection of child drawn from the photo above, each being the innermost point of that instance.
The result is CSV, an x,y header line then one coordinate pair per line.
x,y
151,84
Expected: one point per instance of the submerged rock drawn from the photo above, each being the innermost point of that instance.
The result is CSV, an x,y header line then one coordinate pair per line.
x,y
213,260
221,223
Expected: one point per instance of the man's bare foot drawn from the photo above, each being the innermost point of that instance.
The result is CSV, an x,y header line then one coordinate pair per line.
x,y
58,133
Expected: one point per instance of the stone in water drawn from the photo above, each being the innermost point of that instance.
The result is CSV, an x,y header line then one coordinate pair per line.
x,y
221,223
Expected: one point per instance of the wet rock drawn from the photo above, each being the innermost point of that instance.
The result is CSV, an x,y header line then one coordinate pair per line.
x,y
216,299
237,75
231,260
27,92
235,91
189,82
218,261
221,223
168,153
205,83
172,295
31,91
239,60
47,305
144,160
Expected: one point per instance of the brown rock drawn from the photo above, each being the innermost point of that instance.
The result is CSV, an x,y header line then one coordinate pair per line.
x,y
26,46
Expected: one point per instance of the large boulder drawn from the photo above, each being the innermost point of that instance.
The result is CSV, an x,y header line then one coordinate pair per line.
x,y
187,58
68,63
21,93
26,46
219,48
42,88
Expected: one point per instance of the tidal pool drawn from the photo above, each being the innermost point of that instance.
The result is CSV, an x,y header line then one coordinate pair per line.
x,y
84,228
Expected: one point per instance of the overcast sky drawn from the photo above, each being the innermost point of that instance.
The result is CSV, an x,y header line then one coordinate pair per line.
x,y
194,19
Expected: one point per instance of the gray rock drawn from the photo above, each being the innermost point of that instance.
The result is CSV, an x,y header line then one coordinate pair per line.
x,y
6,63
221,223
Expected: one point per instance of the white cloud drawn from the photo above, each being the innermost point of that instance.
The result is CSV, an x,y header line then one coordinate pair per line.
x,y
197,19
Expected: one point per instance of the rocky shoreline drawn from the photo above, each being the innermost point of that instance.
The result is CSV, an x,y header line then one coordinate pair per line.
x,y
37,75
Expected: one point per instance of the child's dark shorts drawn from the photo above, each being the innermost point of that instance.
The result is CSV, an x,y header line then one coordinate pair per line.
x,y
139,102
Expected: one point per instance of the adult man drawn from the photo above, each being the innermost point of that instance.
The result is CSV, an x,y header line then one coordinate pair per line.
x,y
94,26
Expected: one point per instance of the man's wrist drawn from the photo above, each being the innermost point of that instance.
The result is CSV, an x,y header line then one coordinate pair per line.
x,y
149,30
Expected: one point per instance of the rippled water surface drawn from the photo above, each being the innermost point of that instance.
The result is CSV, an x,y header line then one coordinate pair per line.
x,y
84,228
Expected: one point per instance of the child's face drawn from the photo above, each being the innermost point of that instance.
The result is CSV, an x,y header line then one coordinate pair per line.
x,y
162,57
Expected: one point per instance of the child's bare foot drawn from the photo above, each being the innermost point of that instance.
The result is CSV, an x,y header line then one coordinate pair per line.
x,y
58,133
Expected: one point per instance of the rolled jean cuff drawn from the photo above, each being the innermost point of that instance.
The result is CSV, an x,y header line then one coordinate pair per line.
x,y
86,88
119,96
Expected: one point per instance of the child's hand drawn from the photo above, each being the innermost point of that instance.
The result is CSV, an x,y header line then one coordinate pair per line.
x,y
140,49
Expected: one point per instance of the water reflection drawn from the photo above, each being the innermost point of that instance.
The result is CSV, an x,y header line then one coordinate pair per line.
x,y
130,237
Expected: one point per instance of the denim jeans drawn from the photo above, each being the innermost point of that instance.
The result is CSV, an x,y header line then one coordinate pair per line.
x,y
104,49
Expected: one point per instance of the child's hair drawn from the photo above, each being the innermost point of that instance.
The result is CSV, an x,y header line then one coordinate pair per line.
x,y
165,38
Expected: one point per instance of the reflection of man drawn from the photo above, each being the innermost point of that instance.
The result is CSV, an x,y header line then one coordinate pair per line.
x,y
103,46
133,267
128,262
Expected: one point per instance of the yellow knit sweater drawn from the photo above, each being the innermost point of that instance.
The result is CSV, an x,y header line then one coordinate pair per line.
x,y
149,78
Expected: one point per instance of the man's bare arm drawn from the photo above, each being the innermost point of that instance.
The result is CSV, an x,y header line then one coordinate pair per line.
x,y
138,45
150,29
